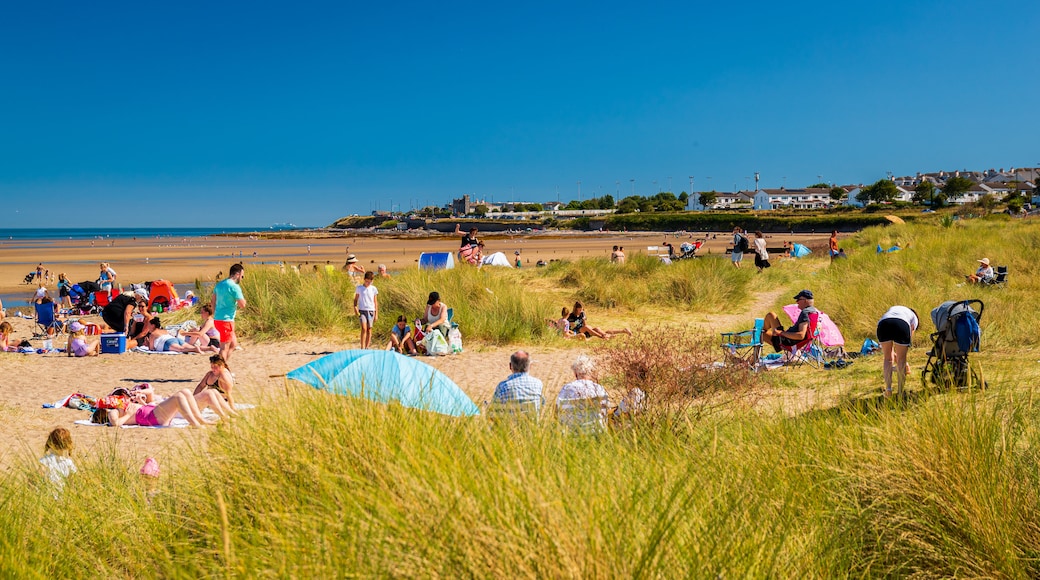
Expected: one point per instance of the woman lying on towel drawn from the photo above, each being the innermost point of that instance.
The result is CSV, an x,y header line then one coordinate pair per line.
x,y
160,340
141,408
218,380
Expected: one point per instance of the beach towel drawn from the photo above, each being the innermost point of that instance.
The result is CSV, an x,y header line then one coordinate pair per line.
x,y
177,423
146,350
74,401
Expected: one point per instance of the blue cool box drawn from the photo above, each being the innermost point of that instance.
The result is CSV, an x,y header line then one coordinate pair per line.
x,y
113,343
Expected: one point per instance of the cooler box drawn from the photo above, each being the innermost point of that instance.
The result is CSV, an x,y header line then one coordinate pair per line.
x,y
113,343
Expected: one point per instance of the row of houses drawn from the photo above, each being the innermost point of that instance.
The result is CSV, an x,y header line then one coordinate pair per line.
x,y
820,197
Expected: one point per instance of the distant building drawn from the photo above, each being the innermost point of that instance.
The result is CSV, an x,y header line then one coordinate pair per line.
x,y
804,198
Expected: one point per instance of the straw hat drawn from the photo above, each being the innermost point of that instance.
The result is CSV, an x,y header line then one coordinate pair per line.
x,y
351,259
984,261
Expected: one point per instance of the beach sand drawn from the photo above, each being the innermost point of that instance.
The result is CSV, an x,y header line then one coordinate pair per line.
x,y
183,260
29,381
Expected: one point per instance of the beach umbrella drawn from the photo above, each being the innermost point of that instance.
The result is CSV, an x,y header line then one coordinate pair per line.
x,y
384,376
895,219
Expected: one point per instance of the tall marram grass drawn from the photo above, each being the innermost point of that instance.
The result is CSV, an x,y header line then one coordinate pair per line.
x,y
855,292
491,305
325,486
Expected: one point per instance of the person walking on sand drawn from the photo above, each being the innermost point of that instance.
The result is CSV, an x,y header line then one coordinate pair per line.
x,y
366,307
740,245
227,299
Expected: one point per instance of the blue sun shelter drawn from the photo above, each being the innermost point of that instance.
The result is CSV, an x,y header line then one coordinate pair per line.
x,y
385,376
800,251
436,261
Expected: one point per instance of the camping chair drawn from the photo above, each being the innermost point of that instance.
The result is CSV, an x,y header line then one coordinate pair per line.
x,y
803,352
957,335
587,415
46,319
101,299
506,412
1000,280
744,346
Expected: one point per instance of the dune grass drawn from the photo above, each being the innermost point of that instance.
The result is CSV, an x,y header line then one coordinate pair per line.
x,y
323,486
327,486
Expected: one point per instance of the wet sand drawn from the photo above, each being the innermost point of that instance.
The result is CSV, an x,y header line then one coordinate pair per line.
x,y
183,260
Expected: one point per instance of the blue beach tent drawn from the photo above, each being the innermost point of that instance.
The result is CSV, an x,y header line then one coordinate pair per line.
x,y
436,261
800,251
384,376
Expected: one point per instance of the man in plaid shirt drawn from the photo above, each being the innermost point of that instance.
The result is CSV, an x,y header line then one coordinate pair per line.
x,y
519,386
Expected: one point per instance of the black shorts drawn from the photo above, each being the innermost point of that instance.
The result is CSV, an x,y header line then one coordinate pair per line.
x,y
781,341
214,342
894,330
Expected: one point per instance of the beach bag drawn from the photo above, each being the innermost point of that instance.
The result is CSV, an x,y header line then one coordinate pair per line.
x,y
455,340
111,402
869,346
436,344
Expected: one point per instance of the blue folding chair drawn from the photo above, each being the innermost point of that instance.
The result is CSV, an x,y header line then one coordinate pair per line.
x,y
745,347
47,319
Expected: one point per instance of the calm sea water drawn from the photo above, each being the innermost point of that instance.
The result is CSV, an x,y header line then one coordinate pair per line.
x,y
117,233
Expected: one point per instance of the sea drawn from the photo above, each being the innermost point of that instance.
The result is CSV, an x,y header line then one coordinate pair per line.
x,y
15,234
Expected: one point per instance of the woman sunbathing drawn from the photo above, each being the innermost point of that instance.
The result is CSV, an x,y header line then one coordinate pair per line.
x,y
139,412
580,326
219,381
160,340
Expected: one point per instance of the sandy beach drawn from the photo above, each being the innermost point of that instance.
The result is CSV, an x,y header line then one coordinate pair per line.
x,y
183,260
32,380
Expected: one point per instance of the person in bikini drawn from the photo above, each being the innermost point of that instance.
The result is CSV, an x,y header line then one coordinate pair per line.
x,y
160,340
218,379
138,411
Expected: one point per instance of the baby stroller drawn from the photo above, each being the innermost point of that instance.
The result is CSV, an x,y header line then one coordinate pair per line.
x,y
688,251
957,335
29,277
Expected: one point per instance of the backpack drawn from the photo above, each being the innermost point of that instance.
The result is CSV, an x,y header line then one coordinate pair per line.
x,y
743,245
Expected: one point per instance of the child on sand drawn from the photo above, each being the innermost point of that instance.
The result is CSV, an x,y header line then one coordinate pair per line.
x,y
56,461
5,337
78,343
366,307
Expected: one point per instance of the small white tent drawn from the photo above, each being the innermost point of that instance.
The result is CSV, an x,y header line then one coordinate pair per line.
x,y
497,259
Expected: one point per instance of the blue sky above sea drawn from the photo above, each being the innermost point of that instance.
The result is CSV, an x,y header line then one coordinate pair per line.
x,y
239,114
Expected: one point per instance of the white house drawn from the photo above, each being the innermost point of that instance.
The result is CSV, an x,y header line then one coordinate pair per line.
x,y
903,194
807,198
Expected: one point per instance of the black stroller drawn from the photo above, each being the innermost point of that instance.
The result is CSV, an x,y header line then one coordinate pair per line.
x,y
29,277
957,335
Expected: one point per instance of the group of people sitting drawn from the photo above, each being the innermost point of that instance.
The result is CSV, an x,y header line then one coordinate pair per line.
x,y
572,323
408,340
581,404
140,405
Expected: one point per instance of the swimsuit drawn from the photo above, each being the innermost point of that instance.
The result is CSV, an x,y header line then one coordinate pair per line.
x,y
145,416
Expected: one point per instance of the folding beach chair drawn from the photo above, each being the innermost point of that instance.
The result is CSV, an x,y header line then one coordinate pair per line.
x,y
744,347
1000,280
47,319
804,352
505,412
587,415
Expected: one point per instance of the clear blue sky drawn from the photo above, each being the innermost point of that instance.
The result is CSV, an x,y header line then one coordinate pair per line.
x,y
243,114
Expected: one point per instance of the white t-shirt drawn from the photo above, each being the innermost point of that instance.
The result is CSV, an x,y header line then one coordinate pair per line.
x,y
58,468
902,313
366,297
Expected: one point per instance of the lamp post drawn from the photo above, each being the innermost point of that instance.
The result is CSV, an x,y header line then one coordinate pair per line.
x,y
617,189
670,184
633,187
691,185
579,190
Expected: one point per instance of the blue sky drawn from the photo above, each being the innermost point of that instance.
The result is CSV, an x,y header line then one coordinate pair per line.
x,y
246,114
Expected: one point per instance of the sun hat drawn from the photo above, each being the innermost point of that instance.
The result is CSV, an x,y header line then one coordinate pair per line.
x,y
76,326
984,261
807,294
351,259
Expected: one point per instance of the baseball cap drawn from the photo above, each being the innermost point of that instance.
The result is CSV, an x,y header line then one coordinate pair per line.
x,y
807,294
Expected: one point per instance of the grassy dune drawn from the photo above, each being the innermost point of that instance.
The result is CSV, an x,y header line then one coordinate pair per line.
x,y
934,486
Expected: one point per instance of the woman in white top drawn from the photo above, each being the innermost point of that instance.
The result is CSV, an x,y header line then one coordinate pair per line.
x,y
895,332
985,272
436,316
761,255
